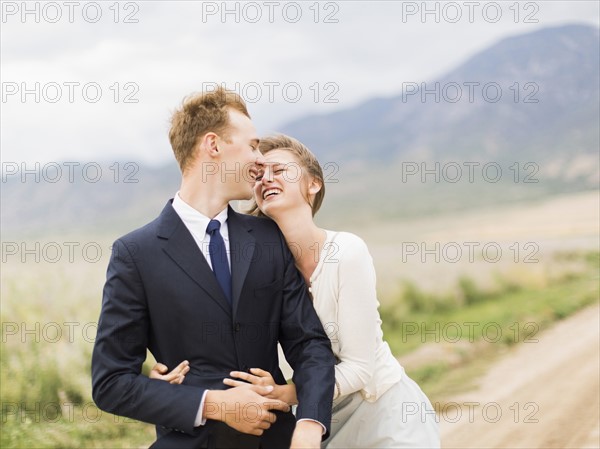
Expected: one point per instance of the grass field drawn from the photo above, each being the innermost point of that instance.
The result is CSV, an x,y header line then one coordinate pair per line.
x,y
50,307
446,347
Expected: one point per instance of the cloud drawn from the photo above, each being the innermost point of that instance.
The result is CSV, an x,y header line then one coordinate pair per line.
x,y
146,56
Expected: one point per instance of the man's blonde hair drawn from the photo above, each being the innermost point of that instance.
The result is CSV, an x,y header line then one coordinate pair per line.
x,y
199,114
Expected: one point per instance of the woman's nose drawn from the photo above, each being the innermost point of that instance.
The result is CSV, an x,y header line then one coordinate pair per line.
x,y
267,176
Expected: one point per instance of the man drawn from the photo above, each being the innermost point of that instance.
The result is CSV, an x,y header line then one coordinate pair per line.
x,y
172,287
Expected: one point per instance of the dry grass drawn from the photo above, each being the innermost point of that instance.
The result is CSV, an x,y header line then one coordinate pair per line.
x,y
49,310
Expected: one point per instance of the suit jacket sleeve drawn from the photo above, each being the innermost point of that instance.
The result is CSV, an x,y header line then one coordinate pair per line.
x,y
307,348
118,386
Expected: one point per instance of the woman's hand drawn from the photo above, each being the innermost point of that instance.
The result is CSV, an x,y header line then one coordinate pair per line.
x,y
257,376
160,371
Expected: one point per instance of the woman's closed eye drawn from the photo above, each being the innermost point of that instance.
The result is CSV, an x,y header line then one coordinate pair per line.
x,y
260,175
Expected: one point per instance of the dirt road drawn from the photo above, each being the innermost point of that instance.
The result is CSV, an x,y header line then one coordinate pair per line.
x,y
540,395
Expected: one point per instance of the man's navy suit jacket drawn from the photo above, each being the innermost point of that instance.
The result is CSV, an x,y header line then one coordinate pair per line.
x,y
160,294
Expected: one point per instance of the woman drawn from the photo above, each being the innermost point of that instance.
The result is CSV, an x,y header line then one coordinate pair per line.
x,y
375,403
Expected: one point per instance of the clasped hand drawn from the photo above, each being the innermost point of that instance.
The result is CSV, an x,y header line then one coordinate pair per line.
x,y
257,376
232,406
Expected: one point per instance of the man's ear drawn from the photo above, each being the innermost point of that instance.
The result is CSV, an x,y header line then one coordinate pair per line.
x,y
208,144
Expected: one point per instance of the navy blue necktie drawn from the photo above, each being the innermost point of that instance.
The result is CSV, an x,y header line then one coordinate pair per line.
x,y
218,258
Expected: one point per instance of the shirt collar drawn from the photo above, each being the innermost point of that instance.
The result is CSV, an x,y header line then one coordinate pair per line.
x,y
196,220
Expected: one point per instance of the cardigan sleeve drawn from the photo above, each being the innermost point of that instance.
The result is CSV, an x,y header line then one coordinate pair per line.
x,y
358,319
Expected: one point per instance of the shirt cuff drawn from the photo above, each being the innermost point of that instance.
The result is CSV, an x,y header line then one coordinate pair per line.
x,y
314,420
200,421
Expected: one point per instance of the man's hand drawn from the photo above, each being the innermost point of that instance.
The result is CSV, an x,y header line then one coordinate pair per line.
x,y
307,435
244,408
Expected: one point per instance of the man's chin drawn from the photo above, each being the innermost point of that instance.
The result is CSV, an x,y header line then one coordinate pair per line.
x,y
245,196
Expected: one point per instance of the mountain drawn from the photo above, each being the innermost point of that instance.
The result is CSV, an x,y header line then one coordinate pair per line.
x,y
517,121
527,108
91,196
534,95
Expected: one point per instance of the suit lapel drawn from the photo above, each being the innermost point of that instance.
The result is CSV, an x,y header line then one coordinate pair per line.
x,y
241,247
182,248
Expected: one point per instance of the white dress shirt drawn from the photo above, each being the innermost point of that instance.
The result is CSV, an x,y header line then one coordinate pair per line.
x,y
197,224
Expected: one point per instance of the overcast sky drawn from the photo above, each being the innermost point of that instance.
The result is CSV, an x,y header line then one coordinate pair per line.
x,y
109,74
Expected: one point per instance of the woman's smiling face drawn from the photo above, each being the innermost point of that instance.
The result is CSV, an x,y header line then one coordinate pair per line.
x,y
281,185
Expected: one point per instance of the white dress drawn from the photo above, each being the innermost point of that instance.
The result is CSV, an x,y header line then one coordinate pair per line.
x,y
376,405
